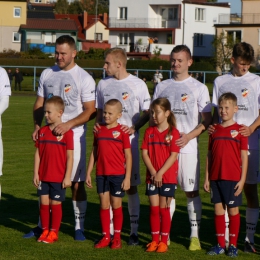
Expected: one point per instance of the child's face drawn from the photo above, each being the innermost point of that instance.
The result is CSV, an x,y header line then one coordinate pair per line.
x,y
52,113
227,109
240,67
159,115
111,114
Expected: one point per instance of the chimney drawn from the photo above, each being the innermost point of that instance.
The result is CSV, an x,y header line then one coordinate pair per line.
x,y
105,19
85,19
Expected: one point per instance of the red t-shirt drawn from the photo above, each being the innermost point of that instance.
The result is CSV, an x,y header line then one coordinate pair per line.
x,y
160,146
53,154
225,145
111,144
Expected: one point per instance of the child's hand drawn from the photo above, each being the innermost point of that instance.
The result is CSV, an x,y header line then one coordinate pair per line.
x,y
66,183
206,186
36,180
157,180
239,188
125,184
211,129
88,181
96,127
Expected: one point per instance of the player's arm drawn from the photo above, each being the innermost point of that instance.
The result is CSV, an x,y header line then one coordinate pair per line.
x,y
148,163
128,169
67,181
91,163
89,112
36,180
215,120
248,130
38,113
200,128
240,184
206,180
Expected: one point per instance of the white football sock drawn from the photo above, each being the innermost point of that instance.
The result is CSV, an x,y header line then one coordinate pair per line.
x,y
227,226
111,221
80,208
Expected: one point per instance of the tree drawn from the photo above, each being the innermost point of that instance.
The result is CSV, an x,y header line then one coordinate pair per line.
x,y
61,7
223,47
75,7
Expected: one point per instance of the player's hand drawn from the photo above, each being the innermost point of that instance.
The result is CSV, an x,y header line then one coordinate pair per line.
x,y
183,140
97,127
206,186
127,130
211,129
62,128
125,184
36,180
245,130
35,133
238,188
157,180
66,183
88,182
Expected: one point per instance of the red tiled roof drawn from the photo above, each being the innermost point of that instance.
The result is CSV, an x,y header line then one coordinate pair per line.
x,y
50,24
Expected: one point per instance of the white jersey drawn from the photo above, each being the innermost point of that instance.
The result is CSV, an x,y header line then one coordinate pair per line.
x,y
75,87
247,90
188,99
5,88
132,92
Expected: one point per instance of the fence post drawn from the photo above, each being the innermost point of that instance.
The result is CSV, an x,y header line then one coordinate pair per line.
x,y
34,77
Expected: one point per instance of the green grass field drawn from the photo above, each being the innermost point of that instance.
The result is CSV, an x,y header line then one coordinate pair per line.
x,y
19,206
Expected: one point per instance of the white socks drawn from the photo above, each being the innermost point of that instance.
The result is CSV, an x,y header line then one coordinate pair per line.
x,y
251,222
227,226
194,210
80,208
134,211
111,221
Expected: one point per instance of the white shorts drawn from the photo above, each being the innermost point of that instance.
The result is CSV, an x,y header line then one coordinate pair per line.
x,y
79,161
253,176
189,171
135,176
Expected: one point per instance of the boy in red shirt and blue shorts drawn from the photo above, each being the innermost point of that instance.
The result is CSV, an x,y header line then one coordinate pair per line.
x,y
226,171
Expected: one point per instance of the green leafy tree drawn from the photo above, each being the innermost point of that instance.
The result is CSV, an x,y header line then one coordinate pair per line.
x,y
61,7
76,7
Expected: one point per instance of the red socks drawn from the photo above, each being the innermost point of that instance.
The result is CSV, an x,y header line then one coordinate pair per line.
x,y
45,216
56,216
234,225
105,222
165,224
220,227
155,222
118,222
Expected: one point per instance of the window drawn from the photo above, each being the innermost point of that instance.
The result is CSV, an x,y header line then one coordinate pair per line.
x,y
123,38
123,13
235,35
98,36
37,1
198,39
17,12
169,13
200,14
16,37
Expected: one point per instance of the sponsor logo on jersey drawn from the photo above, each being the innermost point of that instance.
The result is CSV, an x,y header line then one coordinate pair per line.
x,y
125,95
59,137
42,135
115,134
49,86
233,133
184,97
67,88
168,138
7,86
244,92
151,135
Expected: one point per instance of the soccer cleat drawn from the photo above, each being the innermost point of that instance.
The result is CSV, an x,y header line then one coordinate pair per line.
x,y
35,232
116,244
79,235
51,238
232,251
216,250
103,242
152,247
162,248
194,244
249,247
133,240
43,235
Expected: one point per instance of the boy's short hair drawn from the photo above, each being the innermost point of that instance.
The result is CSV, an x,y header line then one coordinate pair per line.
x,y
180,48
66,39
114,102
57,102
243,50
118,54
228,96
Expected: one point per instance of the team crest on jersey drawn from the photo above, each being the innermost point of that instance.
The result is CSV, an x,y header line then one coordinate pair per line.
x,y
115,134
125,95
233,133
168,138
59,137
244,92
67,88
184,97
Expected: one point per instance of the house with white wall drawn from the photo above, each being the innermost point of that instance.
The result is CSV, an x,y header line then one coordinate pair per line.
x,y
173,22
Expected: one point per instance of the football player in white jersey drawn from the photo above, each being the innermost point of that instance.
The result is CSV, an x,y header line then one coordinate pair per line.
x,y
190,102
246,86
77,89
133,94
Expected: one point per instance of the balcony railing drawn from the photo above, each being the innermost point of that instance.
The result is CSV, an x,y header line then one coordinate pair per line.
x,y
142,23
239,18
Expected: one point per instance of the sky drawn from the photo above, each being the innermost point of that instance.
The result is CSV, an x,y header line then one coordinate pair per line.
x,y
235,5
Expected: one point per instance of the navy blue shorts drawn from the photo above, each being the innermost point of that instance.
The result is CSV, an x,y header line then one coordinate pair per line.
x,y
53,189
223,192
166,190
111,183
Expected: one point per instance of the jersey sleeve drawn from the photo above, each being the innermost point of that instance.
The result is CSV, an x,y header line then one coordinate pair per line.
x,y
88,88
175,136
204,103
69,140
144,96
126,140
5,88
244,143
258,91
215,94
144,145
99,96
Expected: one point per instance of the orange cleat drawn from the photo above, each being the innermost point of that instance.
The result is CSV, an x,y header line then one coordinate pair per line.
x,y
52,237
43,235
151,247
162,248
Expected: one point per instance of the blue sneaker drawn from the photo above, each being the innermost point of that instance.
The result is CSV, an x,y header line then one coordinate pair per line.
x,y
35,232
216,250
79,235
249,247
133,240
232,251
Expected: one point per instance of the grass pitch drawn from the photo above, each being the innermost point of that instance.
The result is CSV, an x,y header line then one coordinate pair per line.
x,y
19,206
